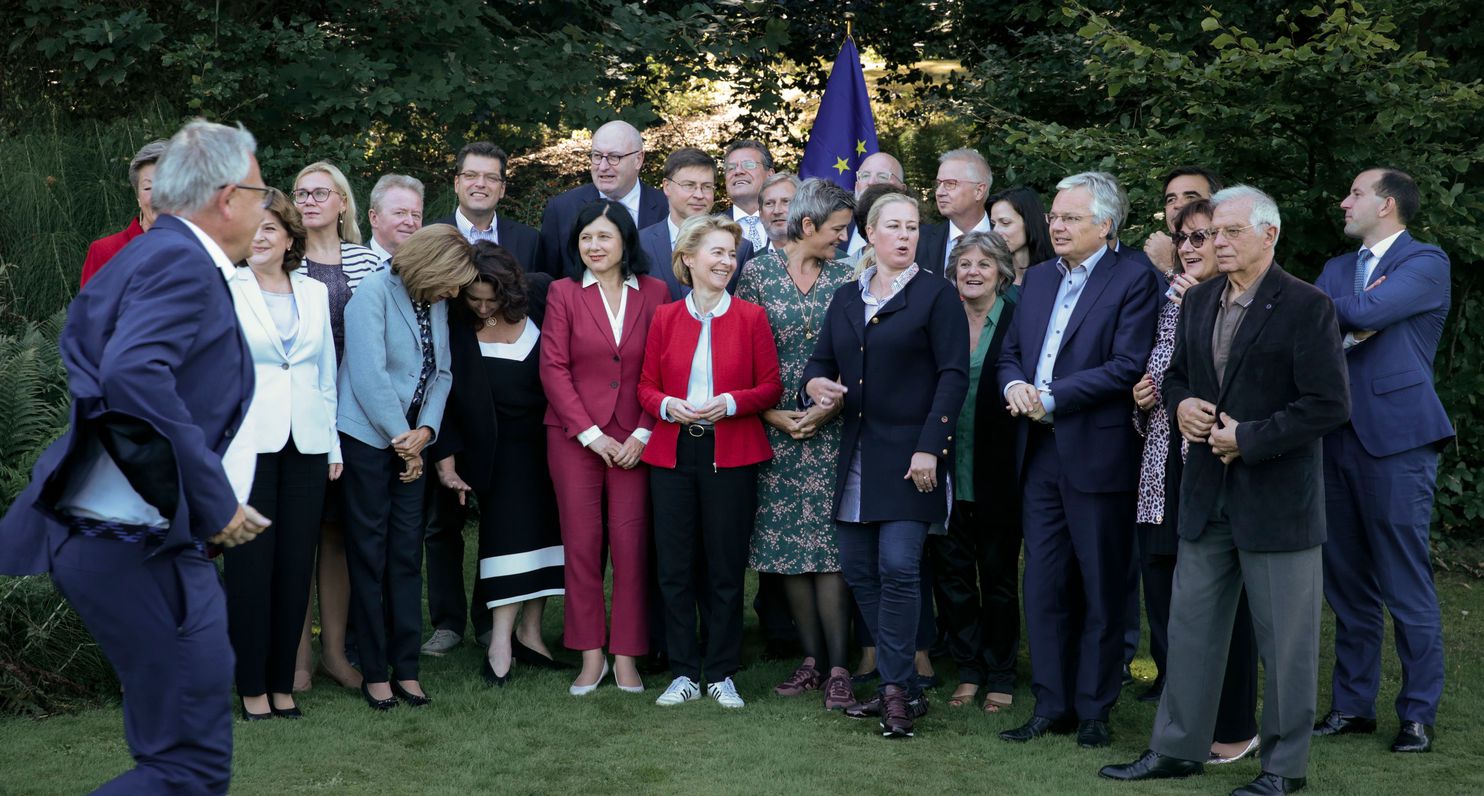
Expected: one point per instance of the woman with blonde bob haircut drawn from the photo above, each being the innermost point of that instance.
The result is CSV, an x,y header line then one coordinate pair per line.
x,y
394,383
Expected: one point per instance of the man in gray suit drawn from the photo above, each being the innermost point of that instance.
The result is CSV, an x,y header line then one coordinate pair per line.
x,y
1258,378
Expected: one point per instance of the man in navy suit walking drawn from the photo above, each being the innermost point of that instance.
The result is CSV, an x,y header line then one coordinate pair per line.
x,y
1079,342
1380,469
121,508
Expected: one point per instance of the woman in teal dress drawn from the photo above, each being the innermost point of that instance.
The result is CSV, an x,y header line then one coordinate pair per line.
x,y
794,534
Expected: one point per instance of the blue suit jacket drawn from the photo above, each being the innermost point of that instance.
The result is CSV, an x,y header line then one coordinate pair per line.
x,y
383,358
152,345
561,213
522,241
1102,356
655,241
1393,404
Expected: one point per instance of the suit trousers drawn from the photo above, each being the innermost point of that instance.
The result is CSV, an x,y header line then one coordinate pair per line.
x,y
448,607
268,579
162,622
1378,512
977,564
587,490
882,563
702,526
1077,548
384,545
1283,590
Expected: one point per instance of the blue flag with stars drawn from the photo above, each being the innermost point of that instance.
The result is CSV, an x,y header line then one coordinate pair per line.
x,y
844,131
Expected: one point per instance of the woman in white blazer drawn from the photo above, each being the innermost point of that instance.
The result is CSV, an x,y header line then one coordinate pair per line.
x,y
285,318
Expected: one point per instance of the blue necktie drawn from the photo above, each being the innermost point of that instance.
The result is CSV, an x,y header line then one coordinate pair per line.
x,y
1362,263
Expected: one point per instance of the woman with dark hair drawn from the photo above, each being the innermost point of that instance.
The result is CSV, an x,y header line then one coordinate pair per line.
x,y
285,318
493,443
1018,215
1159,489
394,385
592,351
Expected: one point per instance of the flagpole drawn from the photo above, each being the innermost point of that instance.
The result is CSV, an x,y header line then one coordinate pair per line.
x,y
849,16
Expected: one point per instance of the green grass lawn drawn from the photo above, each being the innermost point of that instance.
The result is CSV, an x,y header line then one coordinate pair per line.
x,y
531,737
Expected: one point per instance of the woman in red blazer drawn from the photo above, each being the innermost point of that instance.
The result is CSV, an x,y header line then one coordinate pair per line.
x,y
592,348
710,370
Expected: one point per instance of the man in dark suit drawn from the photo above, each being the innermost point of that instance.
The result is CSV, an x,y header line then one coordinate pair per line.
x,y
963,180
1077,345
1380,471
617,156
1257,380
747,164
690,190
479,181
121,508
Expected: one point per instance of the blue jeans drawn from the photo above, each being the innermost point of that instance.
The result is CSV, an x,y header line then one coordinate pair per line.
x,y
881,562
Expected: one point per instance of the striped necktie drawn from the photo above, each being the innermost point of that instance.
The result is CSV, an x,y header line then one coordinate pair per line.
x,y
1362,264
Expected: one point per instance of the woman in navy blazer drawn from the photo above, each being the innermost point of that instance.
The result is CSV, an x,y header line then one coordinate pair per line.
x,y
394,383
591,351
285,318
894,351
710,370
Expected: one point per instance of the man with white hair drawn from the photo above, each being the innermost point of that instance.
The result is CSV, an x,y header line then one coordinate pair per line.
x,y
1258,378
963,180
617,156
122,508
396,212
1077,345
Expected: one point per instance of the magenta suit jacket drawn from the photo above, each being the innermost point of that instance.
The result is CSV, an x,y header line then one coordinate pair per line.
x,y
590,380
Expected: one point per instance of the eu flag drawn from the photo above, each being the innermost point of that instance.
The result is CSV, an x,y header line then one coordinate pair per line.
x,y
844,132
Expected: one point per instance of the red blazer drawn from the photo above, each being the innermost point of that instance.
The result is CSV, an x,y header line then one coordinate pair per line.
x,y
589,381
744,363
102,250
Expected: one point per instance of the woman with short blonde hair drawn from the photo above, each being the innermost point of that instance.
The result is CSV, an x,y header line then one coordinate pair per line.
x,y
688,243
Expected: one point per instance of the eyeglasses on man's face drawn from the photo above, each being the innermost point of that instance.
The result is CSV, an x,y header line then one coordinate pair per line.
x,y
481,176
612,158
742,164
1068,219
266,192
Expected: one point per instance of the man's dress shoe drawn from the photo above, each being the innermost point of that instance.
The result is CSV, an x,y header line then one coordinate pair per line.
x,y
1412,737
1036,727
1093,734
1337,723
1152,765
1270,785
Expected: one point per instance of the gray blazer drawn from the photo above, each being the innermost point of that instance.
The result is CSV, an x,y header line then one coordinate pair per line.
x,y
383,357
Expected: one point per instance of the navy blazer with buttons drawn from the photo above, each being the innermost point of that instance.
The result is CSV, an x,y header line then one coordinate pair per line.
x,y
906,374
655,241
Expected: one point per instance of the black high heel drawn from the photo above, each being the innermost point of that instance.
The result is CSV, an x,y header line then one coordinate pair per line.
x,y
530,657
412,700
378,704
286,713
254,716
492,679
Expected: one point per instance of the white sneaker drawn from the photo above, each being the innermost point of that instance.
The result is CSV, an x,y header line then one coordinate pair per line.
x,y
682,689
441,642
725,694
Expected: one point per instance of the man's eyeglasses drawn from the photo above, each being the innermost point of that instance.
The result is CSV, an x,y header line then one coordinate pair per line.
x,y
268,193
952,185
321,195
693,187
873,177
475,176
1069,220
1231,233
742,164
1197,237
610,157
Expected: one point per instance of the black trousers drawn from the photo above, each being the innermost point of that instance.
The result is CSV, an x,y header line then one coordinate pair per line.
x,y
384,546
702,525
268,578
977,564
449,608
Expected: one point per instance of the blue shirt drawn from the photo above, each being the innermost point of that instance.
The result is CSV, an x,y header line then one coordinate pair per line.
x,y
1068,292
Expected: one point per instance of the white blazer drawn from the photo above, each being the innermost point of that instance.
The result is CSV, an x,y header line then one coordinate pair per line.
x,y
295,390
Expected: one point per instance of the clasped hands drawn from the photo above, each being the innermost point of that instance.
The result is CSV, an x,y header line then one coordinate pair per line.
x,y
800,424
409,446
1199,422
618,454
1025,401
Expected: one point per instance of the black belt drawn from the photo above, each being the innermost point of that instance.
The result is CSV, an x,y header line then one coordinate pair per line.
x,y
122,532
699,429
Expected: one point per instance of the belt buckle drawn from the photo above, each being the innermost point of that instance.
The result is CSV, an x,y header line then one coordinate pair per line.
x,y
695,430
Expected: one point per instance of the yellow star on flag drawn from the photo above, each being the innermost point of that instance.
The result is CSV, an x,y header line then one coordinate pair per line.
x,y
860,147
841,166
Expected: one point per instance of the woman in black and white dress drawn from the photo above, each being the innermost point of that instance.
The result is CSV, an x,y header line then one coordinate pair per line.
x,y
493,444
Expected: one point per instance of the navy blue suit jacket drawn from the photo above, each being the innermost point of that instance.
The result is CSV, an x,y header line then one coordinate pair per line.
x,y
1393,405
655,241
522,241
1102,356
151,346
932,247
561,213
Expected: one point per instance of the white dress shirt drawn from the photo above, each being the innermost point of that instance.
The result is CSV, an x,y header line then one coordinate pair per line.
x,y
752,228
474,234
615,322
629,200
954,233
383,256
702,384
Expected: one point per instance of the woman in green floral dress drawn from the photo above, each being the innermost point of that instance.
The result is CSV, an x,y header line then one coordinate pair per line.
x,y
794,534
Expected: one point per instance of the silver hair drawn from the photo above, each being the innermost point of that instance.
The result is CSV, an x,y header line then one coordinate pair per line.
x,y
147,155
1264,210
992,244
780,177
199,161
974,159
1108,203
390,181
816,200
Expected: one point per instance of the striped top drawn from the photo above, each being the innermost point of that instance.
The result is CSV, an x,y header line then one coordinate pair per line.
x,y
341,280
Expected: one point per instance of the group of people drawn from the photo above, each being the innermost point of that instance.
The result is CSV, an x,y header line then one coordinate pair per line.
x,y
891,410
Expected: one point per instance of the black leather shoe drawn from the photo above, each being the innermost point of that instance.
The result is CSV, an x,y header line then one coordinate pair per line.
x,y
287,713
1152,765
1036,727
378,704
531,657
412,700
1412,737
254,716
490,678
1093,734
1270,785
1152,695
1337,723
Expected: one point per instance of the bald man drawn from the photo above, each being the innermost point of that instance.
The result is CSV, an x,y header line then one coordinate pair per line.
x,y
878,167
616,157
